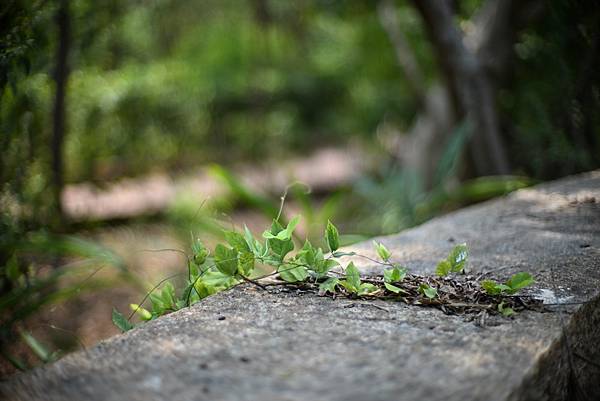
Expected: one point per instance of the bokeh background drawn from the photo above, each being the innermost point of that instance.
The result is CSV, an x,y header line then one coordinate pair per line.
x,y
128,128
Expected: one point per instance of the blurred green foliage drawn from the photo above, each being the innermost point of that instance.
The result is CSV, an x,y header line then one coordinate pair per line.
x,y
169,84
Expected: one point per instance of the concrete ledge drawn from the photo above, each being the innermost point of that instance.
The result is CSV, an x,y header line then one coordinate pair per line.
x,y
248,344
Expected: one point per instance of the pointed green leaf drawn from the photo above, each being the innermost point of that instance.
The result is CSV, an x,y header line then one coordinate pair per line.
x,y
120,321
519,281
292,274
367,288
393,288
491,287
283,234
328,285
394,275
168,295
382,251
458,258
226,260
443,268
255,246
428,291
292,225
352,278
158,305
237,241
280,248
216,281
332,237
200,253
245,263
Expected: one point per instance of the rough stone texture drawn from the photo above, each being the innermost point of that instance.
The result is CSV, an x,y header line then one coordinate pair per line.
x,y
249,344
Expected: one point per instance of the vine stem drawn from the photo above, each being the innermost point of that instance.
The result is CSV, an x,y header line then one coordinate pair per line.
x,y
150,292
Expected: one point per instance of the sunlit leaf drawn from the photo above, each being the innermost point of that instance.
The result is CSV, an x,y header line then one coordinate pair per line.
x,y
458,258
382,251
143,313
332,237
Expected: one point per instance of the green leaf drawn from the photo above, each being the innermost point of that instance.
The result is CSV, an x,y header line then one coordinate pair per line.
x,y
280,248
210,283
513,285
308,254
393,288
226,260
443,268
143,313
120,321
216,281
506,311
349,287
382,251
168,295
283,234
237,241
455,262
158,305
332,236
255,246
245,263
519,281
199,251
428,291
458,258
292,274
394,275
328,285
339,254
327,265
314,258
491,287
367,288
352,282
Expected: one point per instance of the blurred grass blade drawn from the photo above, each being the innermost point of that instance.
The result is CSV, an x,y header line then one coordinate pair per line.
x,y
38,348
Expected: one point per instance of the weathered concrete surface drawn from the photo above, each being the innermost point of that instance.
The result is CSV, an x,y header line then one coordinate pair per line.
x,y
249,344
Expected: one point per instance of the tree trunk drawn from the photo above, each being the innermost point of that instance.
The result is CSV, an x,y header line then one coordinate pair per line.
x,y
61,75
472,94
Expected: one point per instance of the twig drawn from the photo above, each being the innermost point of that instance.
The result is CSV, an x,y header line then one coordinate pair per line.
x,y
256,283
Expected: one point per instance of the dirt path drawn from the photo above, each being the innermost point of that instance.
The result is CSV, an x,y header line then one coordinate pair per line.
x,y
132,197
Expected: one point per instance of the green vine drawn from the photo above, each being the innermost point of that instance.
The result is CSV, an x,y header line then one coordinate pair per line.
x,y
322,272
